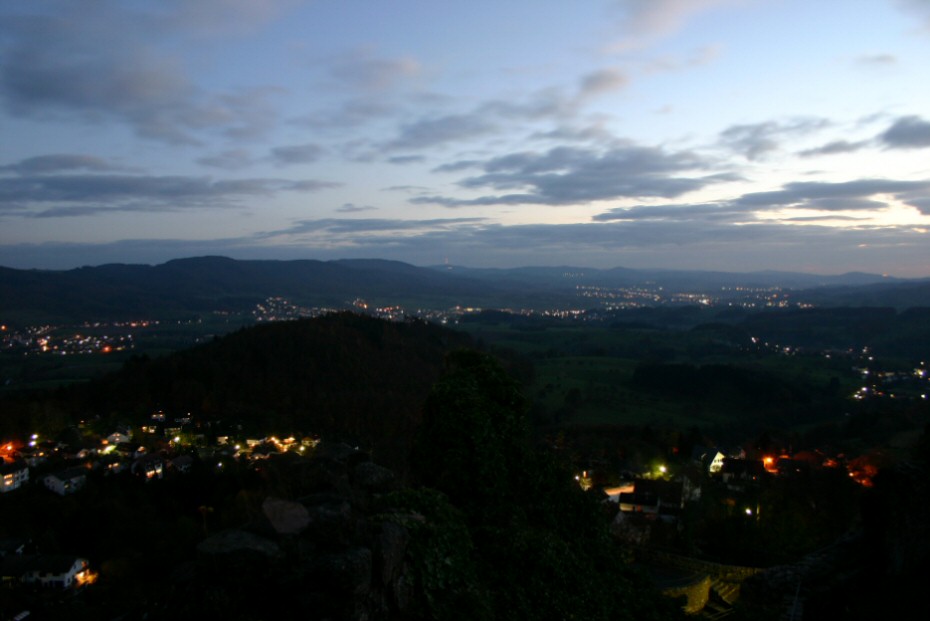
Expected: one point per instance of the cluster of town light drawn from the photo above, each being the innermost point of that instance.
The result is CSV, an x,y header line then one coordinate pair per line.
x,y
85,577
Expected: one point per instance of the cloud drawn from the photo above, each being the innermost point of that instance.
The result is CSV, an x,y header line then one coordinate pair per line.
x,y
344,229
362,70
677,213
492,116
857,195
834,148
546,103
406,188
921,204
594,133
351,208
406,159
908,132
697,57
223,17
757,140
44,164
86,194
647,20
100,62
919,9
241,115
566,175
841,203
827,218
351,113
489,117
232,159
602,81
836,196
877,60
296,154
430,132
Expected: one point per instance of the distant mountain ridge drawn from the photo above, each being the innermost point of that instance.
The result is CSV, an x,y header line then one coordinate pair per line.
x,y
217,283
622,276
201,284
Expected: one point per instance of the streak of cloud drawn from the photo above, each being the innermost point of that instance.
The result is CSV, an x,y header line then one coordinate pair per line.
x,y
566,175
908,132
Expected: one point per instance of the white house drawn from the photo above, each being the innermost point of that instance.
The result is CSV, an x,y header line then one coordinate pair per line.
x,y
52,571
67,481
120,435
13,476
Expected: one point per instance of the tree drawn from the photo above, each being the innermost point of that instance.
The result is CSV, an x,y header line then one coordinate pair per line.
x,y
541,543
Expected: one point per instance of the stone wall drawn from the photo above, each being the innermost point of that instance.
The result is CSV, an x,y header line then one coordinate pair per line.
x,y
696,592
717,571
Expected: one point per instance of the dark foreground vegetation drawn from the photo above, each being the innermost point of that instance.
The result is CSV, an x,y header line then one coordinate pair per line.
x,y
444,486
487,527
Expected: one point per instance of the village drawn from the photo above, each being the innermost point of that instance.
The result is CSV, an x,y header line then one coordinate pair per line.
x,y
649,505
164,448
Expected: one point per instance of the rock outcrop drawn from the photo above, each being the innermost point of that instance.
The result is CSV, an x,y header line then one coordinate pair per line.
x,y
338,552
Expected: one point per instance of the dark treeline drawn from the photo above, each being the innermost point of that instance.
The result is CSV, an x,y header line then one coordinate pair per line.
x,y
346,377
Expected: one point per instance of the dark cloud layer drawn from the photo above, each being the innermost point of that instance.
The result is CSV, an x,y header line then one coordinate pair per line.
x,y
72,195
44,164
297,154
567,175
834,148
908,132
835,196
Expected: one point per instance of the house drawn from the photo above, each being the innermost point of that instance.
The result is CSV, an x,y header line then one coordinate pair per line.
x,y
736,473
34,456
149,467
711,457
110,464
657,497
129,451
182,463
120,435
66,481
788,466
79,450
13,475
48,571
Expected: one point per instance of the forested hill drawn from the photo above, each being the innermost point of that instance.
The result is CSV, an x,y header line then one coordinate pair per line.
x,y
343,376
194,286
206,284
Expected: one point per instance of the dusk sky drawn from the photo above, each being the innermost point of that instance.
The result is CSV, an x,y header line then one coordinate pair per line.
x,y
731,135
